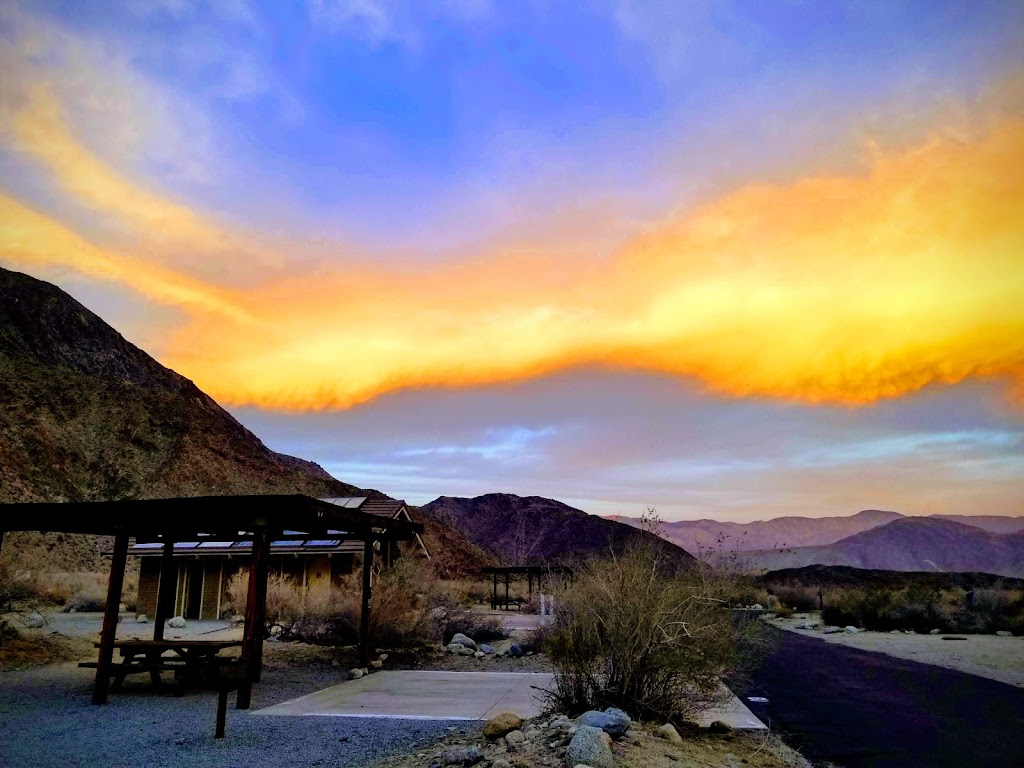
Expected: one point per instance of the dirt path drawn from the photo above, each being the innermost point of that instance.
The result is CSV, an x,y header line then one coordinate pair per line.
x,y
860,709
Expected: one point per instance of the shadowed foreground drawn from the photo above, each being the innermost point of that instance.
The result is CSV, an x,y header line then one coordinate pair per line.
x,y
868,710
46,719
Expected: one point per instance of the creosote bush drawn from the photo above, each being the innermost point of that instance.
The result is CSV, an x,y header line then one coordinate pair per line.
x,y
628,635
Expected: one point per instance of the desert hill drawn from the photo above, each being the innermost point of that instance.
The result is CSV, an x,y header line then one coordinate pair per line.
x,y
907,544
86,415
526,530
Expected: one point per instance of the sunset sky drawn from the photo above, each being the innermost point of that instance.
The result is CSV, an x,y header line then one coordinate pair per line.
x,y
733,260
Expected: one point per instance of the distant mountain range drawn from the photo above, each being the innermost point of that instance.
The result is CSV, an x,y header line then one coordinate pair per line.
x,y
907,544
527,530
712,536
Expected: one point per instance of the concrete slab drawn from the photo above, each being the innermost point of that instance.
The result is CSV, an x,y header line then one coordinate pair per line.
x,y
731,711
425,695
429,695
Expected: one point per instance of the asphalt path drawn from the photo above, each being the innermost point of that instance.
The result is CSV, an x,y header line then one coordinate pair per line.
x,y
859,709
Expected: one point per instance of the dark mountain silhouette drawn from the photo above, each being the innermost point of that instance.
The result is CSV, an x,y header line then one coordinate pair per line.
x,y
721,538
527,530
86,415
908,544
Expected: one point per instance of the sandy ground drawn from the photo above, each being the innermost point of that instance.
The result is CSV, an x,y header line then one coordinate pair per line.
x,y
989,656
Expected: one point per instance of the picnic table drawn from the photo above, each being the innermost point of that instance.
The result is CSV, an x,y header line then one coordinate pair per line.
x,y
190,660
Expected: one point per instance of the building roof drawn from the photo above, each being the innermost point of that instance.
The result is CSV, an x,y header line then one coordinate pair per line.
x,y
213,518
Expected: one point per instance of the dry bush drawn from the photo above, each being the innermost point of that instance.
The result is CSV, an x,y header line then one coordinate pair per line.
x,y
627,635
399,615
802,599
482,629
922,609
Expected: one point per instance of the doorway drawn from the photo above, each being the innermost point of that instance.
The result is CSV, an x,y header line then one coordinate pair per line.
x,y
193,590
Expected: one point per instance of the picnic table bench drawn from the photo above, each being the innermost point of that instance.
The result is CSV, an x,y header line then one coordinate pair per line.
x,y
190,660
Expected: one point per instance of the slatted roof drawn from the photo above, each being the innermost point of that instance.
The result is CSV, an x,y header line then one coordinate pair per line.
x,y
214,518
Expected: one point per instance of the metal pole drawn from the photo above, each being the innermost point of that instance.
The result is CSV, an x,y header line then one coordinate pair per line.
x,y
364,619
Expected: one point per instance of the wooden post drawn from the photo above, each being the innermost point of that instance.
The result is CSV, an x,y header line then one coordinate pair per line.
x,y
529,578
494,592
364,619
506,590
110,614
165,591
255,615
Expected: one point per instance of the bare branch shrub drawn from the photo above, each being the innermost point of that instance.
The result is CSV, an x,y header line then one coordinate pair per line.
x,y
628,635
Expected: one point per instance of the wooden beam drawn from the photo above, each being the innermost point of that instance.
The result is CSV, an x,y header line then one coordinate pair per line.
x,y
255,615
166,590
364,618
110,614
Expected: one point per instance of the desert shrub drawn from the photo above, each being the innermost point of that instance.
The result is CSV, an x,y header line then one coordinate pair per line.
x,y
399,614
626,635
784,611
483,629
802,599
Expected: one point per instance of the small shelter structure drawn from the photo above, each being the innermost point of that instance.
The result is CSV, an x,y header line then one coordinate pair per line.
x,y
258,520
534,574
204,568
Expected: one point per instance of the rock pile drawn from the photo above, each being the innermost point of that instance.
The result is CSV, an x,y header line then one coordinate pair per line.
x,y
547,742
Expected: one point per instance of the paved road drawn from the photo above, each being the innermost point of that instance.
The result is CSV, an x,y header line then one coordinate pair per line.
x,y
867,710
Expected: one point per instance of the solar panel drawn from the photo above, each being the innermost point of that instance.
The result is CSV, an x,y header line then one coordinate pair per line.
x,y
285,543
153,545
349,502
214,544
322,543
186,544
240,544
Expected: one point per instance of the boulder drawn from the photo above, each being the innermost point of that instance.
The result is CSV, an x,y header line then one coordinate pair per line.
x,y
590,747
850,630
1004,633
515,738
484,648
669,733
376,664
515,651
35,620
719,727
276,631
935,631
142,618
355,674
461,756
479,654
178,622
832,630
612,721
504,723
463,640
460,650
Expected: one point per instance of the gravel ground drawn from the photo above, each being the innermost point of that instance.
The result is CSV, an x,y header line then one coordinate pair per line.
x,y
46,719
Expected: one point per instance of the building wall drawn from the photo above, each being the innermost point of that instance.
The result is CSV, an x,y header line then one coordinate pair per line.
x,y
149,584
212,589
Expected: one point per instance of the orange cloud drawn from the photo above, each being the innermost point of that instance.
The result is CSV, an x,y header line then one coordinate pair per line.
x,y
29,238
825,290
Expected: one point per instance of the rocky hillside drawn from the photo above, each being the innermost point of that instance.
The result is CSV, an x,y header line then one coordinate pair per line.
x,y
86,415
907,544
529,530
